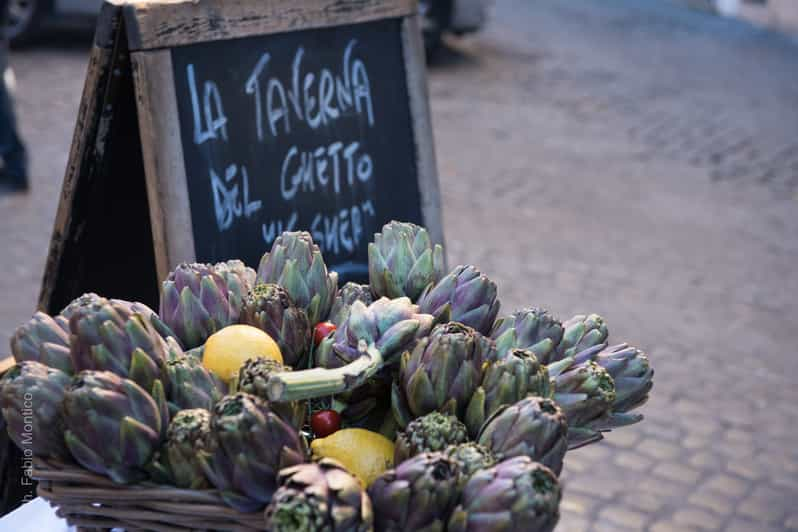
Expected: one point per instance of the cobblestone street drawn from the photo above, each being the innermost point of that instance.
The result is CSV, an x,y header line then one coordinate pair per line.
x,y
626,157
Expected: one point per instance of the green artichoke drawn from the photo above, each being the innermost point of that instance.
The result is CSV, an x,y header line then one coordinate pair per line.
x,y
253,378
418,494
43,339
430,433
113,426
269,308
581,332
470,458
506,382
347,295
468,295
31,395
117,336
442,373
296,264
197,301
533,427
321,497
586,394
630,371
533,329
189,434
251,444
190,385
393,325
403,261
517,494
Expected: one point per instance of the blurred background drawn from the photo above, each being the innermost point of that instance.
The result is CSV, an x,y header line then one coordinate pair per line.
x,y
634,158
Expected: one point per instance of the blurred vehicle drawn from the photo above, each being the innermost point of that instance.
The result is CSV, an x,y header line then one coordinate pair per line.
x,y
455,16
27,17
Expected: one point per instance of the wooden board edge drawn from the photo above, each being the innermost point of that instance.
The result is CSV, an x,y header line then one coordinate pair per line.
x,y
426,166
164,165
84,138
163,24
6,364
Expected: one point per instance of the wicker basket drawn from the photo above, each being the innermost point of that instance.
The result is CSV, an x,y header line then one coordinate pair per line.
x,y
93,502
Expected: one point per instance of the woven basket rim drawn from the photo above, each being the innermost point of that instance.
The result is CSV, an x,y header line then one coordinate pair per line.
x,y
87,499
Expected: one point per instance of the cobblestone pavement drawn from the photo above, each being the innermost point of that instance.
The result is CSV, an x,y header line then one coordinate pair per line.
x,y
625,157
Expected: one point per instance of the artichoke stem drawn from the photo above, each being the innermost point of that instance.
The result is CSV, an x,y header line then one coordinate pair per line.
x,y
320,382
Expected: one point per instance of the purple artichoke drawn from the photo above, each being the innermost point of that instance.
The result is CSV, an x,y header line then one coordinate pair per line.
x,y
251,445
296,264
31,396
196,301
43,339
419,494
269,308
442,372
532,427
532,329
517,494
403,261
113,426
467,294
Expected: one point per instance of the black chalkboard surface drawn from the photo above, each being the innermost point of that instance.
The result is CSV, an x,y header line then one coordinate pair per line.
x,y
305,130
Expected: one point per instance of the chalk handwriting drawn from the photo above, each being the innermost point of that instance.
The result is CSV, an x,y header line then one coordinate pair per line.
x,y
304,171
316,98
212,111
229,201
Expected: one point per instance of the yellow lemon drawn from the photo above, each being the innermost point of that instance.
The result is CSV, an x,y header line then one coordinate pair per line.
x,y
226,350
364,453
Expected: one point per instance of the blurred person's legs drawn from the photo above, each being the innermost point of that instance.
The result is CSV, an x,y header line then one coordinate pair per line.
x,y
14,172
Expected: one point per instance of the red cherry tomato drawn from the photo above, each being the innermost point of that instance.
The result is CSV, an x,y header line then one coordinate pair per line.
x,y
321,331
325,422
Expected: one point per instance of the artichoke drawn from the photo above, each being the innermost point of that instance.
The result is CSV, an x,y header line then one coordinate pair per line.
x,y
117,336
253,378
347,295
269,308
196,301
533,427
86,300
239,277
113,426
251,444
467,294
517,494
43,339
403,261
321,497
506,382
369,406
430,433
441,373
393,325
296,264
586,394
190,385
31,395
629,369
533,329
189,434
470,458
419,494
581,332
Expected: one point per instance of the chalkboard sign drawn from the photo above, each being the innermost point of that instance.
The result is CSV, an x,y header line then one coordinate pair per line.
x,y
208,127
303,130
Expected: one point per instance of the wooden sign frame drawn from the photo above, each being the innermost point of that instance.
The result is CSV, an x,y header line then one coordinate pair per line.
x,y
132,48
